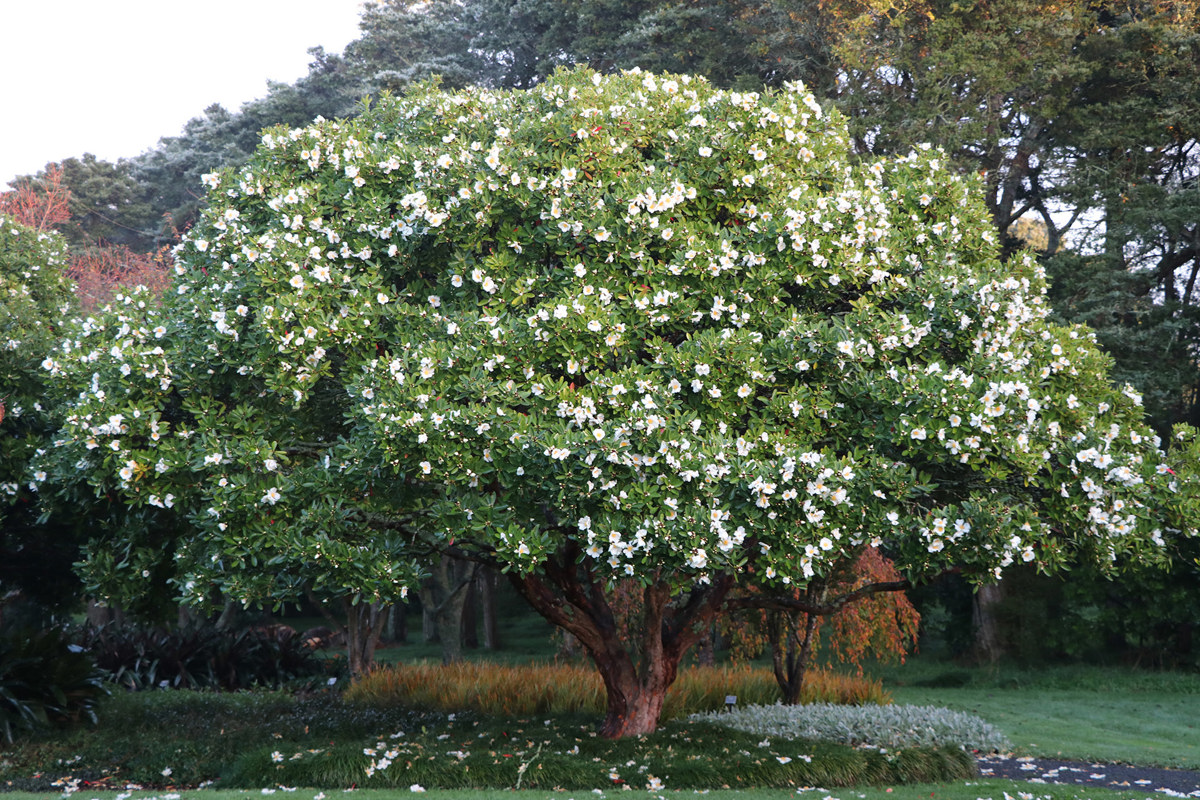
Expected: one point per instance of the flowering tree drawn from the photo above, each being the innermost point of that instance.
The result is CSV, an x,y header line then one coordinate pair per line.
x,y
610,327
154,418
33,296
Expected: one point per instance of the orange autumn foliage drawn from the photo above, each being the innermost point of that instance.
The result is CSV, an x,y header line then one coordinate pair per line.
x,y
99,271
39,204
103,271
882,625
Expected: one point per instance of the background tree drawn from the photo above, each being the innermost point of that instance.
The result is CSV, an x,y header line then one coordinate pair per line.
x,y
34,295
40,202
624,326
109,207
845,625
1132,137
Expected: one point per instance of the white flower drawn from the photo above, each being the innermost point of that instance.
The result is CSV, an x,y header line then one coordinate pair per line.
x,y
381,298
272,496
271,464
416,787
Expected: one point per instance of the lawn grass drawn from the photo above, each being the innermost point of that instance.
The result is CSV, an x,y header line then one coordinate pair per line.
x,y
1148,728
1076,712
964,790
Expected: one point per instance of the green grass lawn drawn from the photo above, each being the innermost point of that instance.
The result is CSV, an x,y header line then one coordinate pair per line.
x,y
1076,713
966,790
1144,728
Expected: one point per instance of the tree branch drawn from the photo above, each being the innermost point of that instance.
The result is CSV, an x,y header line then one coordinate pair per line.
x,y
826,608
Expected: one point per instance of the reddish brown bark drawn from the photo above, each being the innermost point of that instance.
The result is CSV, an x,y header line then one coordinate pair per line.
x,y
637,671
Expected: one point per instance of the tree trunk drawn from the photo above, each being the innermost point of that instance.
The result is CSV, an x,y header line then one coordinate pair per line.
x,y
634,701
636,674
450,579
429,603
229,615
790,657
400,623
988,647
487,603
364,625
470,634
707,656
100,615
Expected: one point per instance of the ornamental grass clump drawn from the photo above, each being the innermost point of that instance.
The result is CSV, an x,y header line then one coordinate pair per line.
x,y
567,688
890,727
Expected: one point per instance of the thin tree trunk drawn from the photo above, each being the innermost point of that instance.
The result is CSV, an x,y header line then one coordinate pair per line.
x,y
470,634
429,604
487,601
361,629
451,578
791,668
988,647
229,615
364,626
400,623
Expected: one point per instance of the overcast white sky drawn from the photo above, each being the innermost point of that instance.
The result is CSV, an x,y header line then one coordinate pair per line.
x,y
111,77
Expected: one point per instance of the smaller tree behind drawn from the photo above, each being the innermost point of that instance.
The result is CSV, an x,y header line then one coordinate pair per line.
x,y
848,614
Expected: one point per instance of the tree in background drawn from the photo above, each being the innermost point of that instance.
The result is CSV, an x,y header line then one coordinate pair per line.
x,y
611,327
34,296
102,273
1081,116
38,203
109,207
858,609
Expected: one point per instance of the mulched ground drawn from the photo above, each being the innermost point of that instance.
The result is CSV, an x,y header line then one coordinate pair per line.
x,y
1171,782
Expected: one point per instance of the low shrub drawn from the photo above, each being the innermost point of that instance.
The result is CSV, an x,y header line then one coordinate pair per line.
x,y
877,726
567,689
45,680
200,657
185,738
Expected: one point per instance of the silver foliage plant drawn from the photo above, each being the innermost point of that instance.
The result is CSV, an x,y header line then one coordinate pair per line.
x,y
871,725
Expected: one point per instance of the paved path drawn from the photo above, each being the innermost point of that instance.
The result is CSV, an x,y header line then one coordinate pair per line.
x,y
1171,782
